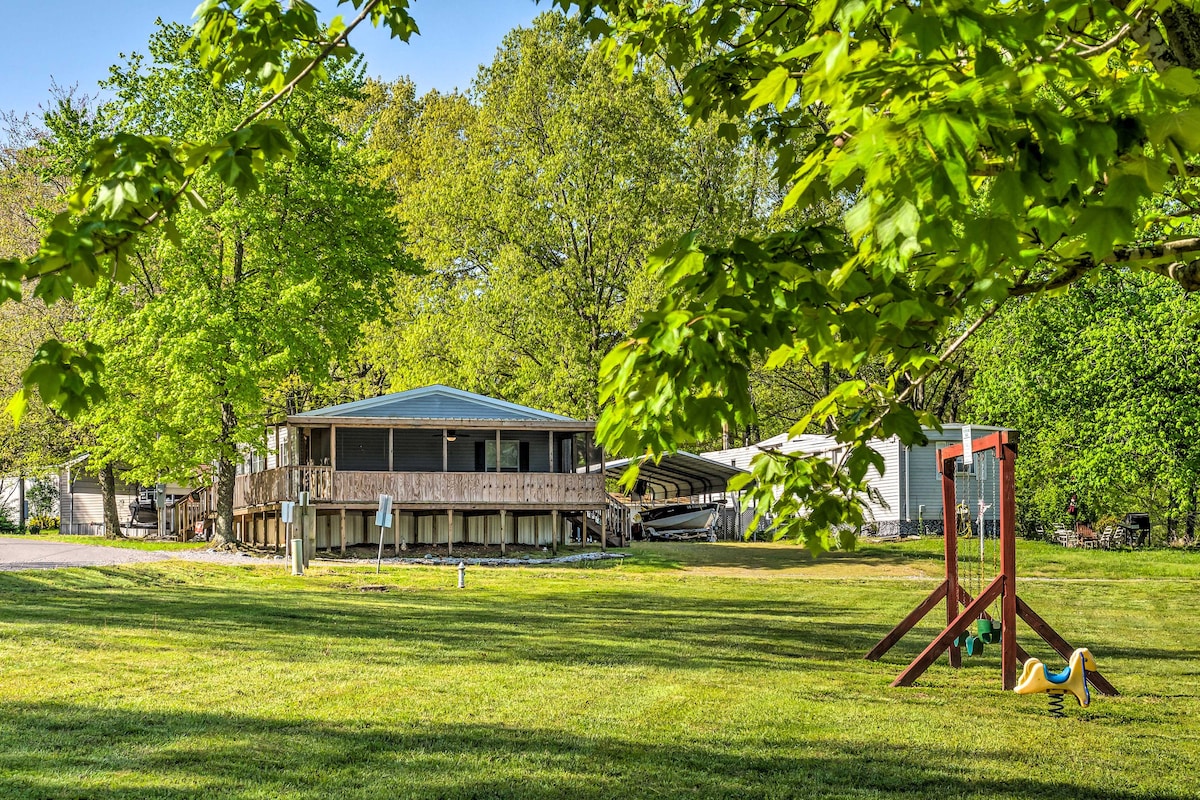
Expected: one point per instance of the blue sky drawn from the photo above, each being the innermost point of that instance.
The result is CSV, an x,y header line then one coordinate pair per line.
x,y
73,42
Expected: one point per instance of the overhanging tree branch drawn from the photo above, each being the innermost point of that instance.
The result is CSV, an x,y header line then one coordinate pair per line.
x,y
1146,257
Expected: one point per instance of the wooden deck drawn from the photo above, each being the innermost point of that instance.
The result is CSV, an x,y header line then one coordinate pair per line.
x,y
422,490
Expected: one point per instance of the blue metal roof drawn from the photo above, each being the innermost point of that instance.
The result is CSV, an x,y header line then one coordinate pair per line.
x,y
435,402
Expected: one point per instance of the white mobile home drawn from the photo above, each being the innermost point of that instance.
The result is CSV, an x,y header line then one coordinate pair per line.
x,y
910,489
81,508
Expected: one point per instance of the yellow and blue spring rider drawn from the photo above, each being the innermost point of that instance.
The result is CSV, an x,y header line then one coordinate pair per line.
x,y
1037,678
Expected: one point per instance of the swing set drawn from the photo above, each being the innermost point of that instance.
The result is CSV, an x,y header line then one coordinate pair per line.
x,y
996,470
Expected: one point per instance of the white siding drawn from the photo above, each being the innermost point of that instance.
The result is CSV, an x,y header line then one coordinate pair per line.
x,y
911,477
887,507
87,509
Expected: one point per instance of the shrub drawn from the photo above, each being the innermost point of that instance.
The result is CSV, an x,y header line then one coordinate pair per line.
x,y
42,495
44,522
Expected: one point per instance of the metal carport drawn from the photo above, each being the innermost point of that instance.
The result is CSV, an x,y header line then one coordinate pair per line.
x,y
676,475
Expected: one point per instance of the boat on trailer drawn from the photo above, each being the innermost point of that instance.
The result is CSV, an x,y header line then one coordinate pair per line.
x,y
677,521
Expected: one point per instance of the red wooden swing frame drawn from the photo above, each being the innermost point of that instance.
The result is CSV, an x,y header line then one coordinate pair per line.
x,y
1003,586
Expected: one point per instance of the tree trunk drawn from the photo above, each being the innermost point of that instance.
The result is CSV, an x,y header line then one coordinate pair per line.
x,y
108,499
1182,26
223,532
827,379
1190,510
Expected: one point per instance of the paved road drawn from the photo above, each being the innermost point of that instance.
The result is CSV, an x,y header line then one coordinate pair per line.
x,y
27,554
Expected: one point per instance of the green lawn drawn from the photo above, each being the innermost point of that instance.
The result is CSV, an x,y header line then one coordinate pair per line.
x,y
705,671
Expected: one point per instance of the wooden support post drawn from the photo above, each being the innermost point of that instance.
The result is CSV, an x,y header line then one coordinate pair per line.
x,y
310,534
450,532
396,532
950,545
333,446
503,529
1008,565
914,616
603,508
342,528
445,451
556,528
498,452
944,639
551,451
391,434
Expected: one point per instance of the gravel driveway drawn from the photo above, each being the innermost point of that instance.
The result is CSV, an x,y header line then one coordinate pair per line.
x,y
18,553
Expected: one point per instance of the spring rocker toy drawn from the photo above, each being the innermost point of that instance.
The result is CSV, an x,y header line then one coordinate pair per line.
x,y
1036,678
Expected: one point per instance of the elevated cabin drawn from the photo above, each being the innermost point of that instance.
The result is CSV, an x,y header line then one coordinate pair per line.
x,y
460,468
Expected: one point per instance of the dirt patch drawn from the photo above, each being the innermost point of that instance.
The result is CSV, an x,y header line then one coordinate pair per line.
x,y
368,552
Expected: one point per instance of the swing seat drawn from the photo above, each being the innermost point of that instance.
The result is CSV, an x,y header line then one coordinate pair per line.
x,y
988,630
974,646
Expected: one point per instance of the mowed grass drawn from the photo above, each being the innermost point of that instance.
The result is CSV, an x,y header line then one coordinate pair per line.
x,y
703,671
920,558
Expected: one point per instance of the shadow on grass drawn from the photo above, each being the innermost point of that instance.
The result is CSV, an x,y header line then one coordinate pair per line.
x,y
66,751
683,627
565,626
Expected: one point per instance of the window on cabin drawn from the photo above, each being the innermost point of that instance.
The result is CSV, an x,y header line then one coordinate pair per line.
x,y
510,455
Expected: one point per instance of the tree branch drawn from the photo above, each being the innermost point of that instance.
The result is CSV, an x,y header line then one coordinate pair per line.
x,y
337,41
1185,273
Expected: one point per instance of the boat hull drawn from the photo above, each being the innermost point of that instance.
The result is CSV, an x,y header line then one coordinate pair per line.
x,y
691,517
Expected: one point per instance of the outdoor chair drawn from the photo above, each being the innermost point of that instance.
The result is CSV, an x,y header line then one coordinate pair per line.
x,y
1108,538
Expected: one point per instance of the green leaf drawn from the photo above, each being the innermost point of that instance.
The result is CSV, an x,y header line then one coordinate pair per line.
x,y
772,89
17,405
1181,128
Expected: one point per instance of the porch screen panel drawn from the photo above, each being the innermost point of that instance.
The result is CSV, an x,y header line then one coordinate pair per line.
x,y
417,450
362,449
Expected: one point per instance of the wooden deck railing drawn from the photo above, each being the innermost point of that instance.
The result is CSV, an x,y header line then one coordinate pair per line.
x,y
285,483
452,489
